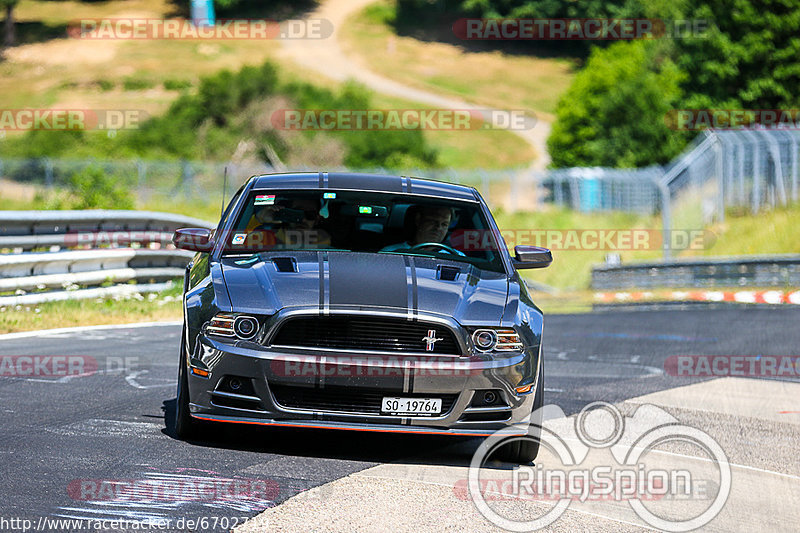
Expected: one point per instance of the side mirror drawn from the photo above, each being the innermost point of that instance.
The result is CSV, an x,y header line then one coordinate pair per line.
x,y
193,239
532,257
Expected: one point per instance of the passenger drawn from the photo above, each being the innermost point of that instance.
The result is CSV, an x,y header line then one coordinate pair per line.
x,y
289,227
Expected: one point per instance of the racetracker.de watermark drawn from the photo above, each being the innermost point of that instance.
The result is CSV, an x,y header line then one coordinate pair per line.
x,y
375,367
117,238
466,240
586,239
761,366
725,119
206,489
402,119
65,366
180,29
71,119
145,523
574,29
602,455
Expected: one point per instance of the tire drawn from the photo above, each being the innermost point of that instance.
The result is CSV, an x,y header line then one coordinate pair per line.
x,y
185,427
524,450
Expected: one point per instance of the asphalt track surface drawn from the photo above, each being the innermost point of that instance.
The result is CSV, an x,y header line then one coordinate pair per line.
x,y
67,441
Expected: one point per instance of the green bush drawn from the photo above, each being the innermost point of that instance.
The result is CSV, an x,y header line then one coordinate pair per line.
x,y
93,188
137,84
614,112
177,85
366,149
106,85
227,108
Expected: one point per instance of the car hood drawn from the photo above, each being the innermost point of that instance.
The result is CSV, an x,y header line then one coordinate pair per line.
x,y
266,283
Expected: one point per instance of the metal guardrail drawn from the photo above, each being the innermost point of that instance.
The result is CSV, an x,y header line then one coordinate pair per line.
x,y
751,271
82,294
99,229
34,229
89,267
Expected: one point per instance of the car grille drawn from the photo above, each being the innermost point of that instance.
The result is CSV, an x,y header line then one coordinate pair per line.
x,y
346,399
365,333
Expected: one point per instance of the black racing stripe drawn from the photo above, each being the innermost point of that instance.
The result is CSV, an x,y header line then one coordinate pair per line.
x,y
411,380
414,288
410,289
408,185
370,182
321,181
368,279
321,262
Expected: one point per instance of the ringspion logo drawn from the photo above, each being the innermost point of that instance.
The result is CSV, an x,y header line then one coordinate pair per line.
x,y
603,455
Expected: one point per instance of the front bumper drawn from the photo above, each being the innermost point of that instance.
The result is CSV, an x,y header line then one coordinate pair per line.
x,y
264,371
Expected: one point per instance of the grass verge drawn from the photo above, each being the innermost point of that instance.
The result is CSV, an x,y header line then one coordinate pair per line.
x,y
153,307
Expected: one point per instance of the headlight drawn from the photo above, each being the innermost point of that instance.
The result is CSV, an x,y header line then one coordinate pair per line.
x,y
244,327
485,339
497,340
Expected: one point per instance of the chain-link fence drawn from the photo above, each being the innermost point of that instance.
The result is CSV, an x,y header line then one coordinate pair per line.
x,y
752,170
603,189
185,179
190,180
748,169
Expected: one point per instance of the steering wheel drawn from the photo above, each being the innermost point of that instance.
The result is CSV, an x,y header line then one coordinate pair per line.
x,y
442,247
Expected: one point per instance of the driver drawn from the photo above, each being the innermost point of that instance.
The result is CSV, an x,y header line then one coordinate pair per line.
x,y
430,226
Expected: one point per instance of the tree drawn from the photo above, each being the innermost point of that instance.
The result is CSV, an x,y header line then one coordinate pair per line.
x,y
614,112
10,37
748,58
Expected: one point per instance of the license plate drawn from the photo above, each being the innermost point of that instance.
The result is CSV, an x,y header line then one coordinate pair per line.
x,y
411,406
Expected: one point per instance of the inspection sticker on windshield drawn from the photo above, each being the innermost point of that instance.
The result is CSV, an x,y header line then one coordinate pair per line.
x,y
239,238
265,199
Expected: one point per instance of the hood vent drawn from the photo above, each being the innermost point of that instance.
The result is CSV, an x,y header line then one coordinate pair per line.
x,y
285,264
447,273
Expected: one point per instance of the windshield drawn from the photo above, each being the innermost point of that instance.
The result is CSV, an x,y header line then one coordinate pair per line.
x,y
356,221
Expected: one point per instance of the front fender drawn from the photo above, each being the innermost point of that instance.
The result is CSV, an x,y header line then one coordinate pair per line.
x,y
204,297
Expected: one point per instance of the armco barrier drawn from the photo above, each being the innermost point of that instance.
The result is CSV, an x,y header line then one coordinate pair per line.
x,y
65,268
33,229
751,271
89,267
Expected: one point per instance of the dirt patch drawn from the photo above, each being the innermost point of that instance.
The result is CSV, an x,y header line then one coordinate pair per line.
x,y
17,191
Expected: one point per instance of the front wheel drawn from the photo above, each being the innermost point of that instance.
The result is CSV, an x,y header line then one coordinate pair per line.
x,y
185,426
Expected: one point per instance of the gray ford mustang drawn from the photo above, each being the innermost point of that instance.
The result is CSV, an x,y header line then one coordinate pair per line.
x,y
359,302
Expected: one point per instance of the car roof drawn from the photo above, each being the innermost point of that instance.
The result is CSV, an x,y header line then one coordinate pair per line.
x,y
365,182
